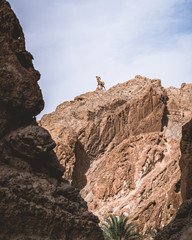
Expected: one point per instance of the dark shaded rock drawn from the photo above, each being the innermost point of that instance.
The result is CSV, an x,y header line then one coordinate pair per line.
x,y
180,228
35,201
39,207
30,142
20,95
186,161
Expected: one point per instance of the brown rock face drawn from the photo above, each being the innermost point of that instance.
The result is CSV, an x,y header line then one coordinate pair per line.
x,y
96,122
35,202
137,181
186,161
181,227
20,95
121,148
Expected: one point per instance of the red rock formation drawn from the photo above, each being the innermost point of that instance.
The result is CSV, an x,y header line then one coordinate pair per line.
x,y
137,181
121,148
35,202
186,161
181,227
97,122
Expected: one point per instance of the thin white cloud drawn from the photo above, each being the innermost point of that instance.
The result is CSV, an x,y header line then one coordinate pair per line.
x,y
171,65
73,41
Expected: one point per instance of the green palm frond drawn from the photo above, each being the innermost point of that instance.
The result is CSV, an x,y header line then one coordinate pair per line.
x,y
117,228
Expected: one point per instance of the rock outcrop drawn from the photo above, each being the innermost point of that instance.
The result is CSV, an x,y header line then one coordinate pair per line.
x,y
186,161
20,95
181,227
35,201
121,147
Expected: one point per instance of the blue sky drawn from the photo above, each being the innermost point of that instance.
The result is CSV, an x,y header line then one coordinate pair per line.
x,y
72,41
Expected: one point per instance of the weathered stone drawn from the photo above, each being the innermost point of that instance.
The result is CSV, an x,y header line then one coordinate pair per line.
x,y
30,141
132,179
178,110
103,119
121,148
20,95
35,202
34,206
180,227
186,161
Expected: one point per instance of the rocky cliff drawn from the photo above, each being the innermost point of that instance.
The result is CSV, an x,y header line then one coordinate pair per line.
x,y
35,201
121,147
181,227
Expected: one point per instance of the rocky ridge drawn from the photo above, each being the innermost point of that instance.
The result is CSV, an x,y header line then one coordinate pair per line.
x,y
121,148
36,202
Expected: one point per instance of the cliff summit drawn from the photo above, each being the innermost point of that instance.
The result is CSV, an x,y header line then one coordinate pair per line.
x,y
121,147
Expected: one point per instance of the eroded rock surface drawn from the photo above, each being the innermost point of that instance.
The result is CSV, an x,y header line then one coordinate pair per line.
x,y
134,178
98,121
20,95
35,201
121,147
186,161
181,227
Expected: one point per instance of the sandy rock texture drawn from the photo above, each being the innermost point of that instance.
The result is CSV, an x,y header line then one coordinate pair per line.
x,y
121,147
35,201
186,161
180,228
